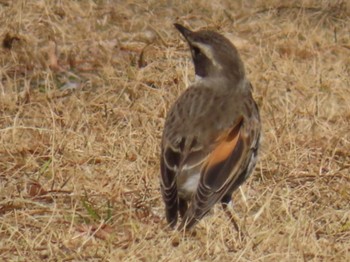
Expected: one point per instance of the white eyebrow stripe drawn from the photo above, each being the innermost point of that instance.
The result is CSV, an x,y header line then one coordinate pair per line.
x,y
208,51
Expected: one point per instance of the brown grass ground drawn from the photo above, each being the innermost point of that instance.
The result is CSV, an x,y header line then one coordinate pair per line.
x,y
82,113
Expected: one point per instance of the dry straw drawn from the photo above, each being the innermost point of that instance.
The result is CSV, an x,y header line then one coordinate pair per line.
x,y
85,86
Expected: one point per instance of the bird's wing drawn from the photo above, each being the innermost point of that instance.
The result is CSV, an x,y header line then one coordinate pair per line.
x,y
224,166
182,148
221,155
218,172
169,163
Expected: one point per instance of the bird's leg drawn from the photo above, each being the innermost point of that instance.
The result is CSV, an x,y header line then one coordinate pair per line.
x,y
225,203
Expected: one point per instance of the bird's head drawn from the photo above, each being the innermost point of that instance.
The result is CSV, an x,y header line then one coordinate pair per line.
x,y
213,54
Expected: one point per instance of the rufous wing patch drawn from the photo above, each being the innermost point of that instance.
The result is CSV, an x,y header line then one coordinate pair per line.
x,y
225,147
225,158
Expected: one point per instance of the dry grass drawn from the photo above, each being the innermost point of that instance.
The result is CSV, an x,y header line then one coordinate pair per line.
x,y
82,113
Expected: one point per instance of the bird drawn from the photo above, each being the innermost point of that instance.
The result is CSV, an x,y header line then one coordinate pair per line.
x,y
211,134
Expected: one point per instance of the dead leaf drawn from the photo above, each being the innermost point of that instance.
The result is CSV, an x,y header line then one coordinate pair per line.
x,y
9,40
34,189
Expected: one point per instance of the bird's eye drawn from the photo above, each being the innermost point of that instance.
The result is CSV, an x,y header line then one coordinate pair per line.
x,y
196,51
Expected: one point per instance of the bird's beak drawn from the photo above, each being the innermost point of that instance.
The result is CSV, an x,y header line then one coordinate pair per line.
x,y
184,31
